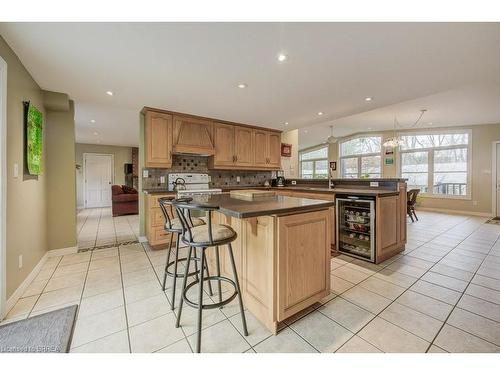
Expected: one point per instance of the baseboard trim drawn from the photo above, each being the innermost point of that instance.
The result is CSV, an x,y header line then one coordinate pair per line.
x,y
63,251
456,212
27,281
142,239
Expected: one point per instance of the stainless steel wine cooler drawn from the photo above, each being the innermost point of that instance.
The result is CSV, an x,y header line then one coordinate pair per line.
x,y
356,226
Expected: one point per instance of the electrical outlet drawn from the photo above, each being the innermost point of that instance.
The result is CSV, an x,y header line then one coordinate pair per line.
x,y
16,170
20,261
238,178
145,173
294,182
162,179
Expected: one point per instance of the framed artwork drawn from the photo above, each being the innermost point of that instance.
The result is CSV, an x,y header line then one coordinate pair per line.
x,y
389,161
286,150
333,165
33,133
389,151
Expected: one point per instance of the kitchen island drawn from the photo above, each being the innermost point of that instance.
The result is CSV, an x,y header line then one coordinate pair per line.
x,y
282,252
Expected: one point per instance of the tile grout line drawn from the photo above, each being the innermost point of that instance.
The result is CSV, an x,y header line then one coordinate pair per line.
x,y
456,304
124,302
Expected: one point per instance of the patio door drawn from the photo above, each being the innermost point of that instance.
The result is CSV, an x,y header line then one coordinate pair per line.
x,y
98,178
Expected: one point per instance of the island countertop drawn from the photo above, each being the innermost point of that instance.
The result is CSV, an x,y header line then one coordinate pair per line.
x,y
262,206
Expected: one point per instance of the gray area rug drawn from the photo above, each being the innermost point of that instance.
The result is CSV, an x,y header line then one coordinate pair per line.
x,y
46,333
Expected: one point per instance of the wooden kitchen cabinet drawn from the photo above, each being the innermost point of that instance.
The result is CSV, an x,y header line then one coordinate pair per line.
x,y
243,146
224,146
157,237
267,150
158,140
193,136
230,146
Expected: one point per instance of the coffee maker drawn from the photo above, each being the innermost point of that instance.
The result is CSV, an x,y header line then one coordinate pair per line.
x,y
280,178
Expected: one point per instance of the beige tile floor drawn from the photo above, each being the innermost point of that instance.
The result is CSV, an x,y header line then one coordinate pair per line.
x,y
441,295
97,227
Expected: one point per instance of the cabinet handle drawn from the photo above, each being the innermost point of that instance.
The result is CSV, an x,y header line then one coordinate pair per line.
x,y
235,158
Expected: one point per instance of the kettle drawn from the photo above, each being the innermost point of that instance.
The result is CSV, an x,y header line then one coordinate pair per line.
x,y
179,184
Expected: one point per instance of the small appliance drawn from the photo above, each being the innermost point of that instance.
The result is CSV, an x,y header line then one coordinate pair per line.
x,y
190,184
280,178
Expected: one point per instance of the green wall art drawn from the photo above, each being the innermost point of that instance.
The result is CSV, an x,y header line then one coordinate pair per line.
x,y
33,138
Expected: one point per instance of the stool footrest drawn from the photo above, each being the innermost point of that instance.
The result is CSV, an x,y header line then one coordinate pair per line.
x,y
170,273
214,305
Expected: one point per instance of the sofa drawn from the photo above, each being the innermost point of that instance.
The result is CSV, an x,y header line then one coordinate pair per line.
x,y
125,200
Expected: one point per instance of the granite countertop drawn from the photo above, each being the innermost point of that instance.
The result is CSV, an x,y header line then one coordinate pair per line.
x,y
306,189
265,206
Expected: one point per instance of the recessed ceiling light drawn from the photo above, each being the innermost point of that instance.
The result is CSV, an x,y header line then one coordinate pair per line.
x,y
242,85
110,93
286,123
92,121
368,99
96,133
282,57
430,123
320,113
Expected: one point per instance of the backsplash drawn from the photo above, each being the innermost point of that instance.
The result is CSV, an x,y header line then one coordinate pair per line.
x,y
199,164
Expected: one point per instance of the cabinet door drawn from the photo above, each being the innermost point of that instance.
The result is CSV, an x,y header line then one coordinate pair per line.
x,y
224,145
243,146
193,135
158,140
261,148
387,227
303,261
274,158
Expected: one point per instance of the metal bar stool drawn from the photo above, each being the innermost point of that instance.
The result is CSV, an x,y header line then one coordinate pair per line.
x,y
209,235
174,226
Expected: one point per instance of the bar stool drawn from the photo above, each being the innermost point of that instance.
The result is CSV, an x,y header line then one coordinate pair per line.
x,y
209,235
174,226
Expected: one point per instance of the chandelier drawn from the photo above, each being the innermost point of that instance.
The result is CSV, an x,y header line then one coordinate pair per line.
x,y
396,141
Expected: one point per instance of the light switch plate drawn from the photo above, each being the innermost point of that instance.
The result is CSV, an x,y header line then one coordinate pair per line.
x,y
374,184
16,170
145,173
162,179
294,182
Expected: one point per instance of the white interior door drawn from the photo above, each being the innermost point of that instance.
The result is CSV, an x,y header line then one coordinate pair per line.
x,y
98,180
498,180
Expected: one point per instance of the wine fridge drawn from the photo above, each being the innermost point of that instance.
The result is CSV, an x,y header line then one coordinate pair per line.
x,y
356,226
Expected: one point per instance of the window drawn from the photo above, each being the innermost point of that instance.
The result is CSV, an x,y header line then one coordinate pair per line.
x,y
314,164
360,157
437,164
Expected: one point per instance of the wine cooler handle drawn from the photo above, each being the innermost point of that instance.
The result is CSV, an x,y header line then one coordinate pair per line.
x,y
352,198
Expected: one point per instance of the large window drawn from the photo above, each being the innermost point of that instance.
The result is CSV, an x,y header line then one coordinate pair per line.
x,y
437,164
314,164
360,157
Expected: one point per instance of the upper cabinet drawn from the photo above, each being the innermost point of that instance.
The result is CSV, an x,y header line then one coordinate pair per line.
x,y
224,145
158,140
229,145
193,136
267,150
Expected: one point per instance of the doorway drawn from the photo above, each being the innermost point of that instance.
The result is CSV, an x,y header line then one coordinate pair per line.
x,y
495,176
98,178
3,184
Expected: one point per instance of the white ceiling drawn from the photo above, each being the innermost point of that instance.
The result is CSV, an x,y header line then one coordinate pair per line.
x,y
451,69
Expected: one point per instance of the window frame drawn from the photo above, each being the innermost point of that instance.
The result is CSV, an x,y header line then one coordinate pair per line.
x,y
360,156
311,149
430,160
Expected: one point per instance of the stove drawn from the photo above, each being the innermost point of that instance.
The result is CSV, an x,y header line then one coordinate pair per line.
x,y
195,184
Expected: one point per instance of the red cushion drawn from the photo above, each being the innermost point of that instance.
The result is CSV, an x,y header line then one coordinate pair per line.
x,y
116,190
128,190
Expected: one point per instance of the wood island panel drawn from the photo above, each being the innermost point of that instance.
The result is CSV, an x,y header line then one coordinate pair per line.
x,y
282,267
